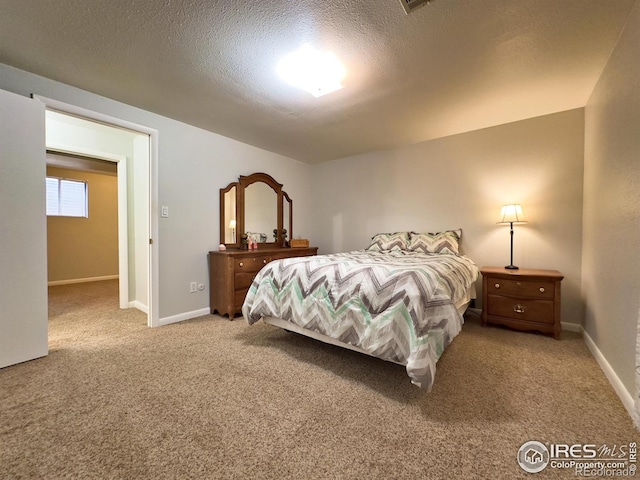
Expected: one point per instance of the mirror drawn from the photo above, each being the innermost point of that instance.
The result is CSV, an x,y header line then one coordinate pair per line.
x,y
228,215
256,204
260,211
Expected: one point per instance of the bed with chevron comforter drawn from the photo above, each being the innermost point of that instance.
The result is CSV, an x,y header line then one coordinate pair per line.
x,y
398,306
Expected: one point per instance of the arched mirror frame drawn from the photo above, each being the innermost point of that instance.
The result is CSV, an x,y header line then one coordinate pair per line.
x,y
243,182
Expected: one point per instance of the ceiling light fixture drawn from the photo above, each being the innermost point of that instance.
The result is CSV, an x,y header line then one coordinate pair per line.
x,y
316,72
411,5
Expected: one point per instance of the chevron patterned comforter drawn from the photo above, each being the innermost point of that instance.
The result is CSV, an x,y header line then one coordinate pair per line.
x,y
398,306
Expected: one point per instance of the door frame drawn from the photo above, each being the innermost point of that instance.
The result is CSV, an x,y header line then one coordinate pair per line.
x,y
153,301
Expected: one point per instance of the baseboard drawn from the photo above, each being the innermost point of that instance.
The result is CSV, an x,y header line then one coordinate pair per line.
x,y
140,306
572,327
181,317
614,380
83,280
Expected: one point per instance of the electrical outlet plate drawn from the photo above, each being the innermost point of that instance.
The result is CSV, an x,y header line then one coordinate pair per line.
x,y
193,287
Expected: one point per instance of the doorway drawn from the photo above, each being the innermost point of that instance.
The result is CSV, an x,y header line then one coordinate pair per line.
x,y
103,235
77,131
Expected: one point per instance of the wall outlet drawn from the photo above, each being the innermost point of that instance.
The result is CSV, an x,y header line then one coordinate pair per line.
x,y
193,287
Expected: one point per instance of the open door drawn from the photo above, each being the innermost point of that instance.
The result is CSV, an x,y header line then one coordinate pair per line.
x,y
23,230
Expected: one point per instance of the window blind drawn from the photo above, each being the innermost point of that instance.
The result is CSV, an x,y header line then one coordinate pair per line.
x,y
66,198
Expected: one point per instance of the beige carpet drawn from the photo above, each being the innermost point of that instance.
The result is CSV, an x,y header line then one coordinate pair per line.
x,y
209,398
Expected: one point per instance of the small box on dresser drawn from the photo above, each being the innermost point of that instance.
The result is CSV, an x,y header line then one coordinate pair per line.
x,y
523,299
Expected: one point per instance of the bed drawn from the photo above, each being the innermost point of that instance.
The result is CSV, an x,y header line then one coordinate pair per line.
x,y
391,301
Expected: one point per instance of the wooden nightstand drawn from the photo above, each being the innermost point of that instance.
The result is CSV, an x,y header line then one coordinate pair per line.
x,y
524,299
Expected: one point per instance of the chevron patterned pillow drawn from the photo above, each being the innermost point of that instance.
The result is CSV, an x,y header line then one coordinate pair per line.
x,y
442,242
384,242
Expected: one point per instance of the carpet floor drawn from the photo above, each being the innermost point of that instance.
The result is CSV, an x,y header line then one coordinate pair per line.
x,y
213,399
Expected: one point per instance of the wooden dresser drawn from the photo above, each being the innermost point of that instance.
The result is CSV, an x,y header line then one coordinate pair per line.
x,y
232,271
523,299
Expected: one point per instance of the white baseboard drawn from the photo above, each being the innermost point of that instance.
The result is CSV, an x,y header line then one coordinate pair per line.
x,y
184,316
82,280
572,327
625,396
140,306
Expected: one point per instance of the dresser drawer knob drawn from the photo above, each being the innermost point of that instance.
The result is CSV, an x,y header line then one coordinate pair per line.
x,y
518,308
241,264
518,284
541,289
264,261
497,285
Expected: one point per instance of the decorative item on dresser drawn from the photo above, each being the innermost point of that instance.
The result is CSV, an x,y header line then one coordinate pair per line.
x,y
249,208
524,299
232,271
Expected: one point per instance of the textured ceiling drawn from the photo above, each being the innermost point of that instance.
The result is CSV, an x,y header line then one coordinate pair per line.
x,y
449,67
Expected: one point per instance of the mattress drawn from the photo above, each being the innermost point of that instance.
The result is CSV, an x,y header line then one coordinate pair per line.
x,y
399,306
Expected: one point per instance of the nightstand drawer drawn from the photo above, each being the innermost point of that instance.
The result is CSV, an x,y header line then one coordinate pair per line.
x,y
521,288
539,311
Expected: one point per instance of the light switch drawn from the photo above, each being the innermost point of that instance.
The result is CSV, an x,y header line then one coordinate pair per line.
x,y
165,212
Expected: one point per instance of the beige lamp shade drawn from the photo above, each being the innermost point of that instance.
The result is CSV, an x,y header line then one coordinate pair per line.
x,y
511,214
232,224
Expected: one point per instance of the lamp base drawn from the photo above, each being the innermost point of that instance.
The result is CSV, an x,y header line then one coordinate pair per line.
x,y
511,267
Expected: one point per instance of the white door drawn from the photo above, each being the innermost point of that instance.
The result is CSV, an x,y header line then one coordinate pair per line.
x,y
23,230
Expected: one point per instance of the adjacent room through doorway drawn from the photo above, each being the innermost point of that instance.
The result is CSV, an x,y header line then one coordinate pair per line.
x,y
105,170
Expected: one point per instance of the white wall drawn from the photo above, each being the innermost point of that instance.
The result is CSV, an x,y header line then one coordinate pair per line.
x,y
611,260
193,165
461,182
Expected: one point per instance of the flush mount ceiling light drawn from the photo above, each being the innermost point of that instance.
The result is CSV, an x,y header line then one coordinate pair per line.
x,y
316,72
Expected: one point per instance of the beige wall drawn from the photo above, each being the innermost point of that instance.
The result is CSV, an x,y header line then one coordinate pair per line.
x,y
611,259
84,248
461,182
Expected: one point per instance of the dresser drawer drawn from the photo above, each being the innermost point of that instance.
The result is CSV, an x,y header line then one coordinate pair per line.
x,y
243,280
539,311
521,288
238,297
250,264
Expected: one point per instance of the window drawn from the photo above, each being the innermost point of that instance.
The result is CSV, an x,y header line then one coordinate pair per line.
x,y
66,198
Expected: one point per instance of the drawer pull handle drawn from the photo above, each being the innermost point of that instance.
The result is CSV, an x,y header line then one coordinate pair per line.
x,y
241,264
518,284
518,308
264,261
541,289
497,285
